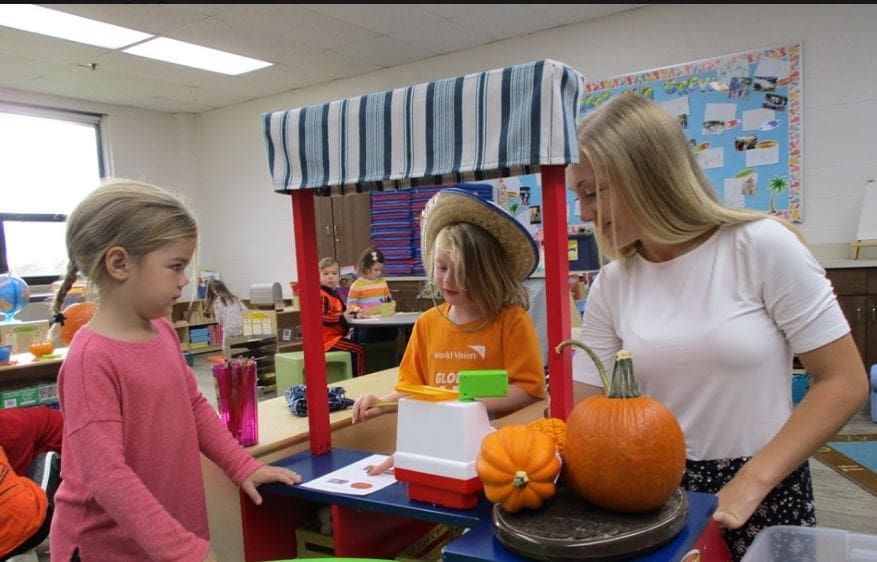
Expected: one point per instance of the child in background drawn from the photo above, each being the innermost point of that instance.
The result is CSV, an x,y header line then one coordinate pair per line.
x,y
368,293
134,420
228,310
370,290
30,440
477,256
335,316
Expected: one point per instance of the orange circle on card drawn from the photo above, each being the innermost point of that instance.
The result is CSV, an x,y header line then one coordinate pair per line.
x,y
361,485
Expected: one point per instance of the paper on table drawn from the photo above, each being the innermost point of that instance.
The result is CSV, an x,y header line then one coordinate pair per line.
x,y
354,479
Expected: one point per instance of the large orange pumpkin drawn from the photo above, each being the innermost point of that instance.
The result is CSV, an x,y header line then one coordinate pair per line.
x,y
518,466
75,316
623,451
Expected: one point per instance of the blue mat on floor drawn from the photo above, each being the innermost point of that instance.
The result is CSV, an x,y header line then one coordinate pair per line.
x,y
854,457
863,452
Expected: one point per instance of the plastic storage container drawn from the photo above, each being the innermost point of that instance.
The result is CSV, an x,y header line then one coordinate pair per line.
x,y
785,543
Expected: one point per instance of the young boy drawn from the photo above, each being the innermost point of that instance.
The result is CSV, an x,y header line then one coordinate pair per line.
x,y
335,316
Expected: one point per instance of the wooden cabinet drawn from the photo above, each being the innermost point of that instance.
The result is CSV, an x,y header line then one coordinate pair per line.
x,y
409,296
343,226
856,290
196,327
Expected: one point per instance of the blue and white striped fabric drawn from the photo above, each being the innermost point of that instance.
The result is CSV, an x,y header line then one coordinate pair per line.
x,y
503,122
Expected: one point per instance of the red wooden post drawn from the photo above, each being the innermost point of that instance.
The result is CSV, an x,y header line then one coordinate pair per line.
x,y
554,240
304,230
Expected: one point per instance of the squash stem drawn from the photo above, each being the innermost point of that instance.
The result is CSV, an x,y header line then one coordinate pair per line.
x,y
604,378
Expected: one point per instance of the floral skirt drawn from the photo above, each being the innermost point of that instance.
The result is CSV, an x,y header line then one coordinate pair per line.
x,y
789,503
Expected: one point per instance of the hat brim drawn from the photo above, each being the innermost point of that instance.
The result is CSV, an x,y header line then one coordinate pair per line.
x,y
451,205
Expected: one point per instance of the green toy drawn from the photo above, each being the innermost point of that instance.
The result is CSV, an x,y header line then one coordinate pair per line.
x,y
483,384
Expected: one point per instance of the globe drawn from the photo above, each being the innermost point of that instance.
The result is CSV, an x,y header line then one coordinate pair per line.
x,y
14,295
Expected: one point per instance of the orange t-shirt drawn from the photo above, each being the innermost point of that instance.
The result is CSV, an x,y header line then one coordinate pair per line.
x,y
23,506
439,349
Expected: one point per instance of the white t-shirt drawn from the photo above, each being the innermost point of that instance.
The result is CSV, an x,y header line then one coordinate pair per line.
x,y
712,333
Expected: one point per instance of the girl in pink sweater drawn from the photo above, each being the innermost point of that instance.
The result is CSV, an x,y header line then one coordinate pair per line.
x,y
134,419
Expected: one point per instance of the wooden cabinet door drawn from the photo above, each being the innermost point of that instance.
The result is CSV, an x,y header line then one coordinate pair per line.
x,y
855,308
352,221
870,356
325,227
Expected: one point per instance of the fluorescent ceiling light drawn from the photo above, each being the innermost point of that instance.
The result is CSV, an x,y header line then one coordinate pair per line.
x,y
179,52
29,17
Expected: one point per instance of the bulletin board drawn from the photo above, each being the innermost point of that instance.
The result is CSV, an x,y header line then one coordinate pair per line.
x,y
742,116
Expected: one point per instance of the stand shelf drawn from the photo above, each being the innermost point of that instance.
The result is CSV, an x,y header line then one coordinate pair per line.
x,y
267,535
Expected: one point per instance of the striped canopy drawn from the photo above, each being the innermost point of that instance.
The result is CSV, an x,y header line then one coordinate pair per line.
x,y
498,123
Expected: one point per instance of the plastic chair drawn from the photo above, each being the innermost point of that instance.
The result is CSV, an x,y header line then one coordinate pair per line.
x,y
289,368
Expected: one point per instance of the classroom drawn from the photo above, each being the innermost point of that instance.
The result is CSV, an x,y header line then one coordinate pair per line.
x,y
799,146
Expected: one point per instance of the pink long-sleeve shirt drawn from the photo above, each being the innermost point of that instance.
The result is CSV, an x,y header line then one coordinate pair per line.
x,y
134,423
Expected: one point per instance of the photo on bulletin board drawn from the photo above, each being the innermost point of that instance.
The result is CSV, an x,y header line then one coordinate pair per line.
x,y
742,116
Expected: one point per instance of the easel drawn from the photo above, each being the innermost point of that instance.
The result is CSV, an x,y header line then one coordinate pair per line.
x,y
854,246
866,235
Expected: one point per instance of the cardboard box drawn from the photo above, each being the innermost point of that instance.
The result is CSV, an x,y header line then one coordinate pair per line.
x,y
20,397
311,543
429,547
43,394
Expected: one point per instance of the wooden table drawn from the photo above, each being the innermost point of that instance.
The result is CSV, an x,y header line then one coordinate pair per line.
x,y
28,370
398,320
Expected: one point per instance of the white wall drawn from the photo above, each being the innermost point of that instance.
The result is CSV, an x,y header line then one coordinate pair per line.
x,y
247,228
149,146
217,159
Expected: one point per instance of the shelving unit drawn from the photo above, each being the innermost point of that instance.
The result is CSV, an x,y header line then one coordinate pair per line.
x,y
197,330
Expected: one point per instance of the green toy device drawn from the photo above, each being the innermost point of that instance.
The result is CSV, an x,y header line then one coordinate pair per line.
x,y
483,384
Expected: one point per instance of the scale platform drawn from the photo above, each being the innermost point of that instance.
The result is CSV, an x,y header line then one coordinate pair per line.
x,y
569,528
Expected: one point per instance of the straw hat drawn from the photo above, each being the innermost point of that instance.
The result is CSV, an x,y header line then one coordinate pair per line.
x,y
452,205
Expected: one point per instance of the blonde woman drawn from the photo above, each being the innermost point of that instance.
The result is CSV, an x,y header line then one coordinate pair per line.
x,y
712,303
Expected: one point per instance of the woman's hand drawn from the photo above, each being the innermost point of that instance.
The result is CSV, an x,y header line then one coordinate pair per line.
x,y
738,500
264,475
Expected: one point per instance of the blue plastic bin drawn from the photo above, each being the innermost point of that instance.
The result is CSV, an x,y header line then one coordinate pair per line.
x,y
800,385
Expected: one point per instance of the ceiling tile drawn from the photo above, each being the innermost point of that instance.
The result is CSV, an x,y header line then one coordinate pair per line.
x,y
439,36
309,44
384,52
41,47
512,20
380,18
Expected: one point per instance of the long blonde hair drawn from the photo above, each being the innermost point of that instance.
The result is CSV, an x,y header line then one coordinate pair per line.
x,y
640,150
136,216
480,269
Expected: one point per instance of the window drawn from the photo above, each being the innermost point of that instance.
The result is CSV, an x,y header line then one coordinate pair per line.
x,y
49,160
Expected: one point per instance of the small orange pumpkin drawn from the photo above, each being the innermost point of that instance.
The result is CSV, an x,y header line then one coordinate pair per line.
x,y
40,349
518,466
623,451
554,427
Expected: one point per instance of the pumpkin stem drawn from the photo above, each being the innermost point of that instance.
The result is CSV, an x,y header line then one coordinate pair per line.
x,y
624,384
604,378
521,479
